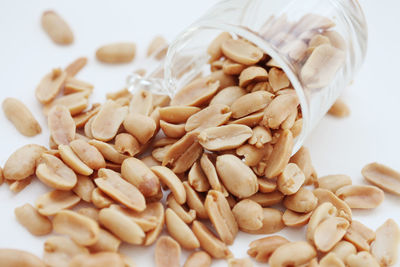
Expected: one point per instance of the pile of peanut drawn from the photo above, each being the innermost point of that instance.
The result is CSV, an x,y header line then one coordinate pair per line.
x,y
212,161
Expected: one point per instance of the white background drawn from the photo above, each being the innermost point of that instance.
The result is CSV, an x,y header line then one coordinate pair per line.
x,y
337,146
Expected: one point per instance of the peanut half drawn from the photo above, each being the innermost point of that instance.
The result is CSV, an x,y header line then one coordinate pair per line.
x,y
21,117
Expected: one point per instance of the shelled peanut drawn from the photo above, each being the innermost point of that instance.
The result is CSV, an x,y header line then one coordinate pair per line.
x,y
225,154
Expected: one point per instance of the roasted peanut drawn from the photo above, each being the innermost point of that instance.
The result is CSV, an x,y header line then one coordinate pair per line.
x,y
333,182
50,86
302,201
224,137
61,125
382,176
241,51
59,250
280,155
73,161
180,231
361,196
15,257
271,222
248,214
293,253
21,117
55,201
295,219
97,259
290,180
252,74
116,53
329,232
214,49
385,248
140,126
167,252
32,220
211,116
359,235
250,103
57,29
198,259
262,249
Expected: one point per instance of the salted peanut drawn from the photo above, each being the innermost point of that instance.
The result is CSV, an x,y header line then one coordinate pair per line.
x,y
360,235
50,86
297,127
59,250
302,159
167,252
160,153
290,180
157,47
259,86
88,154
278,79
325,195
88,128
116,53
187,216
179,148
112,184
385,248
329,232
280,155
261,136
107,122
75,103
250,103
361,259
121,225
382,176
105,242
187,158
173,130
266,186
293,253
232,68
211,116
80,228
214,49
221,216
295,219
272,222
73,85
267,199
343,249
100,199
251,120
172,181
143,219
32,220
245,262
155,209
141,102
335,39
137,173
84,117
279,110
195,201
333,182
197,178
322,212
262,249
331,260
241,51
290,120
302,201
150,161
15,257
312,75
97,259
54,173
177,114
248,214
140,126
179,230
198,259
90,212
228,96
236,176
164,141
361,196
75,66
57,29
339,109
54,201
252,74
108,151
22,162
209,242
18,186
21,117
61,125
73,161
224,137
196,93
253,155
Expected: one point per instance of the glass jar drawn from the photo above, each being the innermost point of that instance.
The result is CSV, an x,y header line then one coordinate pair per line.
x,y
282,28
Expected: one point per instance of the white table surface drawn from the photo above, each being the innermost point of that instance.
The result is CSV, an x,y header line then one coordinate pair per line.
x,y
337,146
